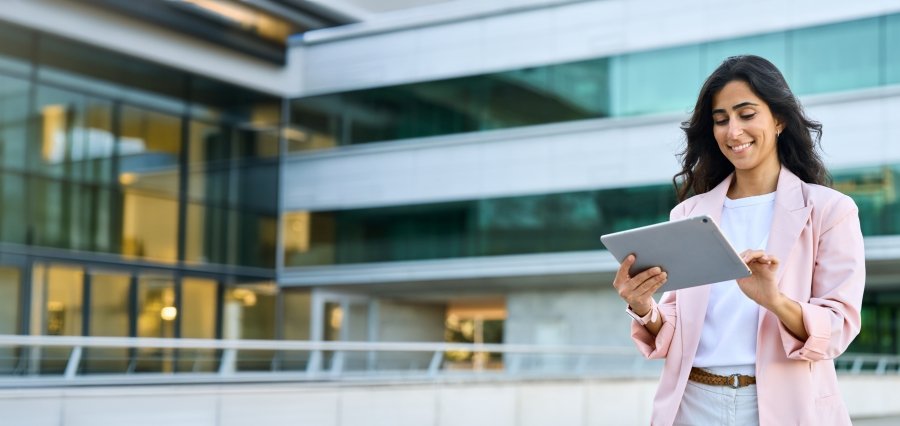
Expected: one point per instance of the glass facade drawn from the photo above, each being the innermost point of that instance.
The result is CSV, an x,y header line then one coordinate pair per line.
x,y
145,199
529,224
107,153
835,57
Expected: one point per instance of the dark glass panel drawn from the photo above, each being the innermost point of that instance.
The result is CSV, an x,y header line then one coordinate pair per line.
x,y
13,222
14,107
16,48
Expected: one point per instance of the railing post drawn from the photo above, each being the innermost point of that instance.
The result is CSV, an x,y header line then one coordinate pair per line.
x,y
72,365
315,363
227,366
857,365
882,366
337,363
435,366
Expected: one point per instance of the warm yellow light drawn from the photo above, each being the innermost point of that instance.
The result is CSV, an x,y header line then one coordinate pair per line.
x,y
168,313
127,178
54,129
54,306
261,23
337,318
298,239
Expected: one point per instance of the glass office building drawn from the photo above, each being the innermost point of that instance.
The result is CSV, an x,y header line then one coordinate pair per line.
x,y
138,199
391,202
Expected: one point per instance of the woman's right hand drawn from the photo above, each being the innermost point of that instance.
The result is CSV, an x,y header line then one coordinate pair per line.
x,y
638,290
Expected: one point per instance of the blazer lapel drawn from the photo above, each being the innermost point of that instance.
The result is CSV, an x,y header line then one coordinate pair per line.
x,y
788,220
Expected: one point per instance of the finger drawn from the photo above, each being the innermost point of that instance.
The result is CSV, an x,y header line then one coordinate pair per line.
x,y
751,255
650,286
622,273
646,275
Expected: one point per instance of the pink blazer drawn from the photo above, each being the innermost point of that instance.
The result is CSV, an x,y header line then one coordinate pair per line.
x,y
816,236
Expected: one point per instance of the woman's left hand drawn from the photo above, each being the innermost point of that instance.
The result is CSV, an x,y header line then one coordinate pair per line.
x,y
760,286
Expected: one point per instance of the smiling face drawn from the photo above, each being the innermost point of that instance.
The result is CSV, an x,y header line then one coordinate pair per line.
x,y
745,129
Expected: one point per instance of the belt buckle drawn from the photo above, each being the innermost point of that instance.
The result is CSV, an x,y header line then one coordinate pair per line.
x,y
735,381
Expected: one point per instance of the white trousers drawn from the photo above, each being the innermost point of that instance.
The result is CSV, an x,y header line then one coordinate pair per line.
x,y
704,405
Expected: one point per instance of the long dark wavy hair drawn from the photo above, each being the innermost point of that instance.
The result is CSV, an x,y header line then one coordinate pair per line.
x,y
703,166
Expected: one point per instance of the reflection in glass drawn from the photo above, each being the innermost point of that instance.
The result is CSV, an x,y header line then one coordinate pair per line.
x,y
76,138
198,321
13,121
892,49
156,316
511,225
836,57
10,288
13,224
149,226
56,310
109,317
249,313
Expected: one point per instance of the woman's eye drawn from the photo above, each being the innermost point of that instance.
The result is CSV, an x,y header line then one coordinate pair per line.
x,y
748,116
720,122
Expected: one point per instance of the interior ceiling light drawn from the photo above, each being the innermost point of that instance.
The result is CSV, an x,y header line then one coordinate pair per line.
x,y
247,18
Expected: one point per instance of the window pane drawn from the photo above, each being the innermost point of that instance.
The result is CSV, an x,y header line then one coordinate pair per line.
x,y
297,314
109,317
836,57
13,121
198,321
657,81
75,133
13,225
149,148
511,225
198,316
770,46
10,288
156,318
892,48
150,226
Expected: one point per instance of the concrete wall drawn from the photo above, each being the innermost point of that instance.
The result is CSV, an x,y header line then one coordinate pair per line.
x,y
408,322
567,317
535,403
353,57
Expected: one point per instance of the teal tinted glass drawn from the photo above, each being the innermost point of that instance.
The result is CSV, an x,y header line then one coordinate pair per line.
x,y
13,224
836,57
892,49
513,225
770,46
874,190
657,81
14,101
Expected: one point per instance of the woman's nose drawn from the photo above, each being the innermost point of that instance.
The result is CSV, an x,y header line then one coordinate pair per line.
x,y
735,129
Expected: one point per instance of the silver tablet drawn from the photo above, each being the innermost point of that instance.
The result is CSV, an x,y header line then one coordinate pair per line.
x,y
692,251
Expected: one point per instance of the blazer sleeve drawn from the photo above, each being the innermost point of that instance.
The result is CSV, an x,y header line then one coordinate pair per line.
x,y
656,347
832,315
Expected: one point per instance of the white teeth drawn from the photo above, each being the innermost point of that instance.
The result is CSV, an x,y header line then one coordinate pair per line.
x,y
740,148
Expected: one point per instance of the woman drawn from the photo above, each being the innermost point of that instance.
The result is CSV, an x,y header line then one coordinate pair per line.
x,y
759,351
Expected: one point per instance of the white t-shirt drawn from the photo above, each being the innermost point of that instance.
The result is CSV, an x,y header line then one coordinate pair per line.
x,y
729,331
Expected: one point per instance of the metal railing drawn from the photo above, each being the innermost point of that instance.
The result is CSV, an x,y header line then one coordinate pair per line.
x,y
77,360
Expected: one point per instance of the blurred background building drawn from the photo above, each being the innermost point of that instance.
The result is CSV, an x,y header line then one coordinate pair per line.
x,y
387,171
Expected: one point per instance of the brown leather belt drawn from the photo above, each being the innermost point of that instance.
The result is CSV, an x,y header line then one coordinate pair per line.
x,y
734,381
